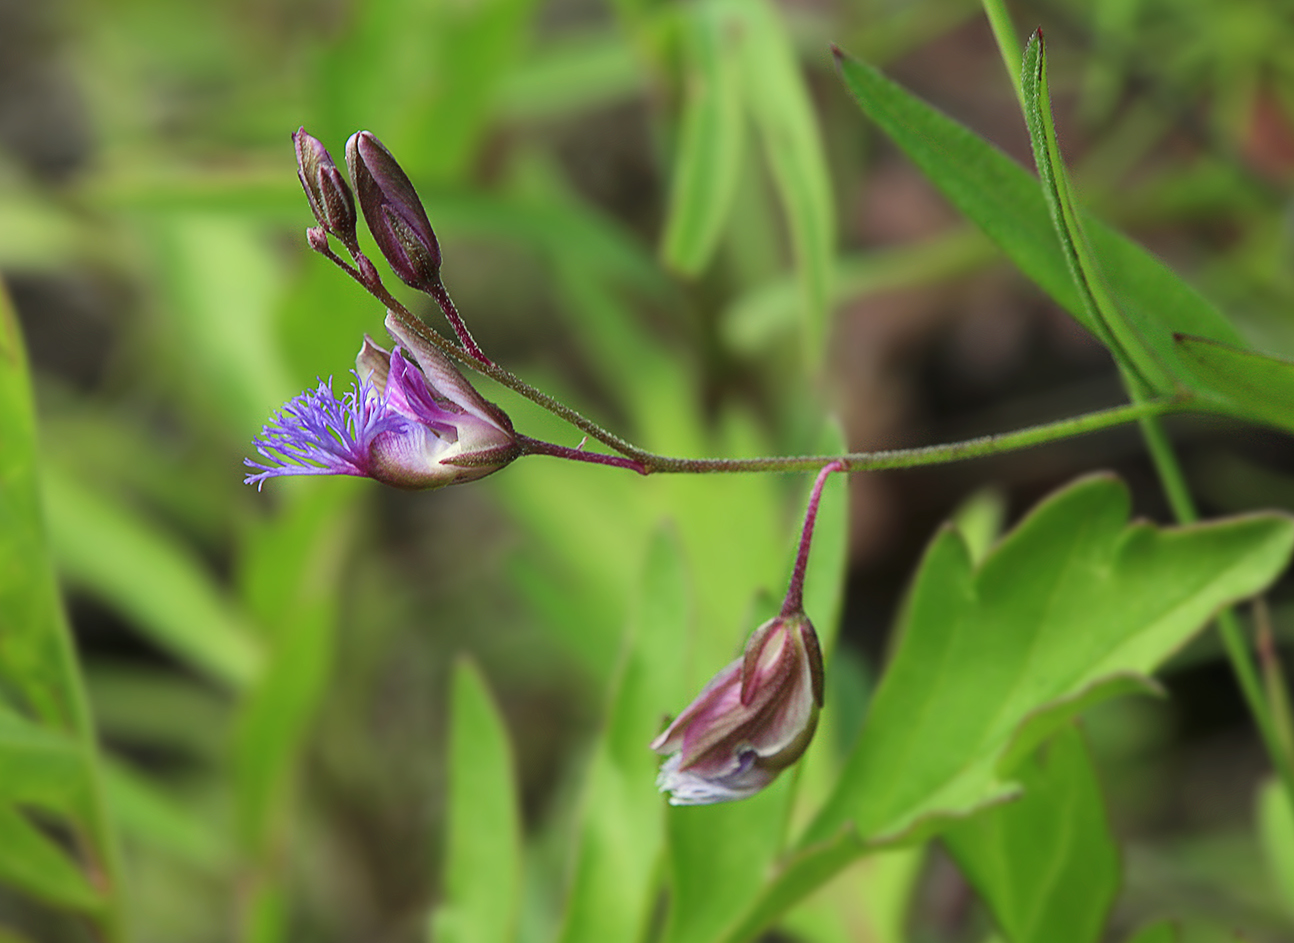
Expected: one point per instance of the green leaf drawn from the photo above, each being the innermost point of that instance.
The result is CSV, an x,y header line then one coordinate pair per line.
x,y
870,900
231,368
1123,340
779,102
1276,832
569,73
979,519
1163,931
1005,201
425,76
151,578
39,766
37,866
1256,386
1070,606
38,663
148,815
622,831
1072,597
1046,865
301,556
711,140
483,846
32,657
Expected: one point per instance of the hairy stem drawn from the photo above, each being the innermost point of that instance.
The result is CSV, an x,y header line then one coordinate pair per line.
x,y
646,463
795,592
441,295
1242,664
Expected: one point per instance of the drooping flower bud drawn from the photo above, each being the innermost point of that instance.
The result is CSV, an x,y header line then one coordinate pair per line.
x,y
756,716
393,212
412,424
326,189
753,719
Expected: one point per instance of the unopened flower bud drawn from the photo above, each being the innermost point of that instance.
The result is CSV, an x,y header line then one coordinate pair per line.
x,y
393,212
326,189
753,719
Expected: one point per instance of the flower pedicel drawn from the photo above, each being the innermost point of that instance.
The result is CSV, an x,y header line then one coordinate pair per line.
x,y
756,716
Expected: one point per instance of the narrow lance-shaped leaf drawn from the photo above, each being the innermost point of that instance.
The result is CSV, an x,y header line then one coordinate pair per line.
x,y
483,847
711,140
1005,200
1047,864
151,578
1276,832
622,834
34,864
38,665
1112,327
40,766
1072,606
779,102
1256,387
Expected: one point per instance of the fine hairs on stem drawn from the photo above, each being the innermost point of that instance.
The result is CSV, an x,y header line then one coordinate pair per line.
x,y
645,462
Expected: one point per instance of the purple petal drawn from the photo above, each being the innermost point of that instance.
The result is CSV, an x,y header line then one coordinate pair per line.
x,y
317,434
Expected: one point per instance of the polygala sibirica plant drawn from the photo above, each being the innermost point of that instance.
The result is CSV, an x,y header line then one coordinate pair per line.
x,y
412,420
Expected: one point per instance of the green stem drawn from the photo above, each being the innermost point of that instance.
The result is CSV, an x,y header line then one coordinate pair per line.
x,y
1229,630
653,463
1008,42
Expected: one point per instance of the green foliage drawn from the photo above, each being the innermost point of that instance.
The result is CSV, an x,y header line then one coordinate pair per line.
x,y
47,747
1073,606
621,836
270,687
1046,864
1004,200
483,849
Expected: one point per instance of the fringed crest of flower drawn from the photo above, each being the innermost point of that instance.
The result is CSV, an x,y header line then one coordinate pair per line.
x,y
409,423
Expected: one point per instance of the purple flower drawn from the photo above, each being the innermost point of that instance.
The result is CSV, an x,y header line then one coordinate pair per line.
x,y
412,424
753,719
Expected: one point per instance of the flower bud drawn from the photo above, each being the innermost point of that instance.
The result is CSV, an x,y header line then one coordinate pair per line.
x,y
326,189
393,212
753,719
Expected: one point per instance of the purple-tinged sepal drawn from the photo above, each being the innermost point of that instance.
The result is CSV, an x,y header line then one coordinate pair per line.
x,y
326,189
393,212
753,719
411,423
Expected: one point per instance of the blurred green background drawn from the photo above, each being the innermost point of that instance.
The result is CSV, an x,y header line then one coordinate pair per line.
x,y
709,253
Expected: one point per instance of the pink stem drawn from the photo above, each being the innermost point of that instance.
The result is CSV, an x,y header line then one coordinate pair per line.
x,y
531,446
795,592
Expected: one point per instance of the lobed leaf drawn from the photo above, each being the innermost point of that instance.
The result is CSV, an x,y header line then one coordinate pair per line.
x,y
1071,606
1047,865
